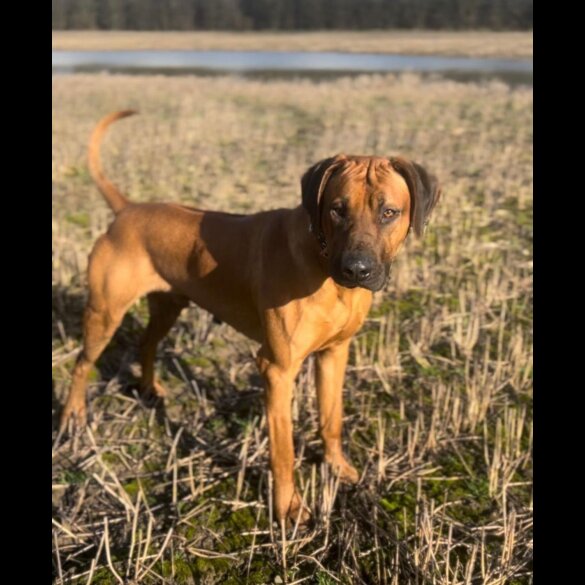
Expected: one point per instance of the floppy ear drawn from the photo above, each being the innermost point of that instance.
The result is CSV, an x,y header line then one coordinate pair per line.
x,y
313,184
424,191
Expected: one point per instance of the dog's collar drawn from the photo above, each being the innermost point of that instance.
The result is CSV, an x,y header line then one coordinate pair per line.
x,y
320,237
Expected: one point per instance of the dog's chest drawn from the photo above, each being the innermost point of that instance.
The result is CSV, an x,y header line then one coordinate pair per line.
x,y
353,317
342,319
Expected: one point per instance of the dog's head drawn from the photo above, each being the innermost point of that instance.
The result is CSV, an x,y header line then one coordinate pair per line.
x,y
361,210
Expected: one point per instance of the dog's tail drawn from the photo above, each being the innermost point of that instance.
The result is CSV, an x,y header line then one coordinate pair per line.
x,y
113,196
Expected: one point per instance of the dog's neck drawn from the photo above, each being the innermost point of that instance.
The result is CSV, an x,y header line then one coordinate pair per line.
x,y
304,245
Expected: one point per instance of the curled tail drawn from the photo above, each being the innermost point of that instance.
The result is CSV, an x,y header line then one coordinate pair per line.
x,y
113,196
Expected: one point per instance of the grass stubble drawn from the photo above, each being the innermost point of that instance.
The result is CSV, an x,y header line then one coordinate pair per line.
x,y
438,393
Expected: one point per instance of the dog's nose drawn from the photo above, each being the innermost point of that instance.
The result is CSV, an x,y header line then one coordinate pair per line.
x,y
357,268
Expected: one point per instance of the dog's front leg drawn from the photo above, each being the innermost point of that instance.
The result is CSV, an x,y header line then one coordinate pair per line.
x,y
330,373
279,382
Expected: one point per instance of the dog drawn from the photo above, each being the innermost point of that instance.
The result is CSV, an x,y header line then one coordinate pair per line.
x,y
298,281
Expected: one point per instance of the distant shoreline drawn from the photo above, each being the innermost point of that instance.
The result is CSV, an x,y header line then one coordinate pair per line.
x,y
465,43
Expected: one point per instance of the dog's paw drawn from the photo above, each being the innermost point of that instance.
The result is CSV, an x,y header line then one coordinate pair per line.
x,y
289,507
297,512
346,472
73,416
153,391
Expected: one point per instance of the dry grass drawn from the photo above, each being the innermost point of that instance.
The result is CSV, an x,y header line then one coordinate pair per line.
x,y
469,43
437,396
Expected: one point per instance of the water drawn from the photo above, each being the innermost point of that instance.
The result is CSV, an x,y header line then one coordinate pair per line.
x,y
320,64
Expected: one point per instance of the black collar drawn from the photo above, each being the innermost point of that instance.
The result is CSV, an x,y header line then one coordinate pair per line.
x,y
320,237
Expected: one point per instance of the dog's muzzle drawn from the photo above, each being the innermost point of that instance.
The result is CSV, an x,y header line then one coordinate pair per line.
x,y
361,270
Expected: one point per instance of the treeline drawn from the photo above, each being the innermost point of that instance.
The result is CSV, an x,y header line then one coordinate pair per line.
x,y
291,14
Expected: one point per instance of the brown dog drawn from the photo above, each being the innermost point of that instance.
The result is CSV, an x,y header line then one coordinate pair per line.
x,y
297,281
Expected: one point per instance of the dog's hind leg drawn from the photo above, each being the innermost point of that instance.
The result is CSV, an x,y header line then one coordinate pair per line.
x,y
114,284
164,309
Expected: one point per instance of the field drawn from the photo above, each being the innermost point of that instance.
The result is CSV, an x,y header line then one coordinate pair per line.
x,y
471,44
438,393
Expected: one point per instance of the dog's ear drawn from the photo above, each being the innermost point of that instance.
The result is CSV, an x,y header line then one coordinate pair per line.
x,y
424,191
313,184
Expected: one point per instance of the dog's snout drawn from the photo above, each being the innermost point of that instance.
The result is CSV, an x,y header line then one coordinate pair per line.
x,y
357,268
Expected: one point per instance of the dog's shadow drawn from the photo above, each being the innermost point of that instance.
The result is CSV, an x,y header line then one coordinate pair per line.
x,y
232,408
122,352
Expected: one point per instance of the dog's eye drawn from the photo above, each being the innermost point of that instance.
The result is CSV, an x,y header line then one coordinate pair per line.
x,y
389,214
338,212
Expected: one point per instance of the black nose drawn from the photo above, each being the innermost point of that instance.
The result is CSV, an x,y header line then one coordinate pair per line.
x,y
357,268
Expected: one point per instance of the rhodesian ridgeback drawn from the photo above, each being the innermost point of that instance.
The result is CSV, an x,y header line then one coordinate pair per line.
x,y
297,281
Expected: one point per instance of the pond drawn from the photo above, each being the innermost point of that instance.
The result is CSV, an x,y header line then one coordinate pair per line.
x,y
313,64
